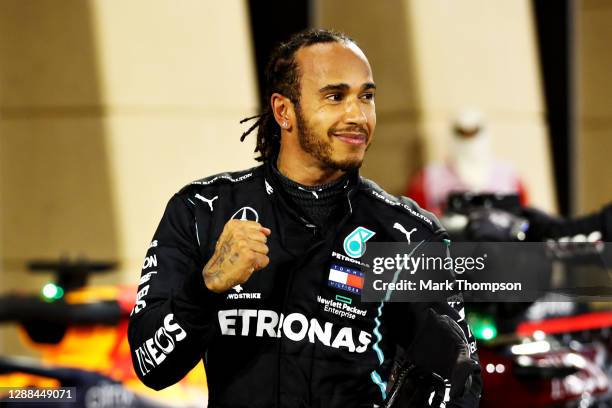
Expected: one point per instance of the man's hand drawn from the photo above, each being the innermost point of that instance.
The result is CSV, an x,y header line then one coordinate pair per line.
x,y
240,251
440,346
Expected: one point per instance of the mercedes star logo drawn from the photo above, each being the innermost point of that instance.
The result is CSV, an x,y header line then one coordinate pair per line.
x,y
246,214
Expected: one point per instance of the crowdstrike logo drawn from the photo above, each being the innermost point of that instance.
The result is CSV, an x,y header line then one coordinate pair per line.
x,y
354,243
154,350
240,294
295,327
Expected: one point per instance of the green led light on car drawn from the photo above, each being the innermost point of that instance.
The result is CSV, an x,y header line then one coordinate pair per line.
x,y
51,291
483,327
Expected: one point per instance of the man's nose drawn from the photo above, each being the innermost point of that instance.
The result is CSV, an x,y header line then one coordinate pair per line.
x,y
354,112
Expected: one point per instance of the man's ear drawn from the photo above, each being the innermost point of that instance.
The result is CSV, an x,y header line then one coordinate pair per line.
x,y
283,111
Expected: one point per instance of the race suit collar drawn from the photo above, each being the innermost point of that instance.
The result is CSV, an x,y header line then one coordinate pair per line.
x,y
274,187
317,203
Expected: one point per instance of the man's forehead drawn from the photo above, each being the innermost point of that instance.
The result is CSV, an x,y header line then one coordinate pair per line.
x,y
334,62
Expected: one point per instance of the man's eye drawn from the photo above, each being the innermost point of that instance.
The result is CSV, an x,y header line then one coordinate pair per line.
x,y
335,97
368,96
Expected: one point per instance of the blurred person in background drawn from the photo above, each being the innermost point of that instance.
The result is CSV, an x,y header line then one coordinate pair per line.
x,y
470,167
257,272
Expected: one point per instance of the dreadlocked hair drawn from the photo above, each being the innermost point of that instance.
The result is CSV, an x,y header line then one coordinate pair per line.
x,y
282,76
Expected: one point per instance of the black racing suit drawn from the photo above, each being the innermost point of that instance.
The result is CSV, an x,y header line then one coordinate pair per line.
x,y
283,338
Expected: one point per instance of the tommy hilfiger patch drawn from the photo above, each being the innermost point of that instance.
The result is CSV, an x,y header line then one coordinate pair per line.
x,y
345,278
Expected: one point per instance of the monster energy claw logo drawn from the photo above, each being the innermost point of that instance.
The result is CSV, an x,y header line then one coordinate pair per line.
x,y
354,243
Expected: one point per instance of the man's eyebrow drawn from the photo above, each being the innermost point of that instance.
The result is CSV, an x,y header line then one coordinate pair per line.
x,y
344,87
334,87
368,85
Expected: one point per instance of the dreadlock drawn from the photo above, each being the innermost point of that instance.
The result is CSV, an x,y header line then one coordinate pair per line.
x,y
282,76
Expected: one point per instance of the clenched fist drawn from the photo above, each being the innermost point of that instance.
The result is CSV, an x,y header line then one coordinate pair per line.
x,y
240,251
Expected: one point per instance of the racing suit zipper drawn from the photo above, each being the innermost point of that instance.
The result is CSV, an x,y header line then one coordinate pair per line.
x,y
319,240
288,290
282,206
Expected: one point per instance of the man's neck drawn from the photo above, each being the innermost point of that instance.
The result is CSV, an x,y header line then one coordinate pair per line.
x,y
304,169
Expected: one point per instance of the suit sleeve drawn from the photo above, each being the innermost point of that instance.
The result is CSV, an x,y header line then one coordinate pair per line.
x,y
173,319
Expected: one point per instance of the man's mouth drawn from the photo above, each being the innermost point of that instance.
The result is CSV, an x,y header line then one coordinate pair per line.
x,y
351,138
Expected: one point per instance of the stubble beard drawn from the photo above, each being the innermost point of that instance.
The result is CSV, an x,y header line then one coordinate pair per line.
x,y
320,149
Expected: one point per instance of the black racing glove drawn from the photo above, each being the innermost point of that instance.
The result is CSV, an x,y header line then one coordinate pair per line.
x,y
440,347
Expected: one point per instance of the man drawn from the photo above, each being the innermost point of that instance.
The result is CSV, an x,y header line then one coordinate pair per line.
x,y
241,270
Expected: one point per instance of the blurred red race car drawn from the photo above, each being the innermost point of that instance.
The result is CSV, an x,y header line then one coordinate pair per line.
x,y
81,335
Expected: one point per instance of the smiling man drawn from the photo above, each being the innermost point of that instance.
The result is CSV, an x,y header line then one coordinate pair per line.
x,y
330,125
258,272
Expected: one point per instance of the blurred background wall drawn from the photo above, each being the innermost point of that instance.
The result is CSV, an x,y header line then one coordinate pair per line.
x,y
108,107
432,58
593,145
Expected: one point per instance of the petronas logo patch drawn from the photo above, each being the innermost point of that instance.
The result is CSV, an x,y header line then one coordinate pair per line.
x,y
354,243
